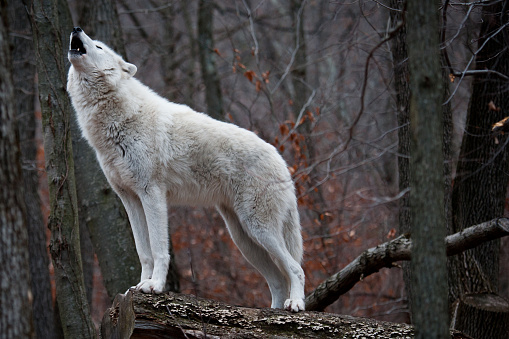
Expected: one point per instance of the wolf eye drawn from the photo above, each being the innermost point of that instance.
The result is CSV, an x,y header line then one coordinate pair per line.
x,y
98,47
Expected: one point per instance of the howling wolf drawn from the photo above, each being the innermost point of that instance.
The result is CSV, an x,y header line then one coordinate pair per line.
x,y
154,152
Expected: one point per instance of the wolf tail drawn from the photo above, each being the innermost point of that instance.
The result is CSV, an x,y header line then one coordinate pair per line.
x,y
292,235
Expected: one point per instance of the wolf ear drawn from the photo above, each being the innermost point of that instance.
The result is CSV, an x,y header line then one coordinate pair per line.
x,y
129,69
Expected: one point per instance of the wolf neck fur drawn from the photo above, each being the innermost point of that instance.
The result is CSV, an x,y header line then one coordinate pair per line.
x,y
99,103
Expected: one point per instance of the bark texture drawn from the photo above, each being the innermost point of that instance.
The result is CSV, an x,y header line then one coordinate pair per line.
x,y
15,293
402,88
185,316
490,316
481,182
99,19
213,96
50,22
143,316
24,96
429,262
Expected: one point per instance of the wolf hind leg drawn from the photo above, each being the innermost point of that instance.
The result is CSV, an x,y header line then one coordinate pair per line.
x,y
270,237
257,256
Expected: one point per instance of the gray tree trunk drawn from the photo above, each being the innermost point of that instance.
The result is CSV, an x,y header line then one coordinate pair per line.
x,y
99,19
213,95
401,74
429,271
24,94
15,293
402,88
50,22
481,184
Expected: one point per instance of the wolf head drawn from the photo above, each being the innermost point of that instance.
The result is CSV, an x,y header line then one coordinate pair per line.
x,y
96,60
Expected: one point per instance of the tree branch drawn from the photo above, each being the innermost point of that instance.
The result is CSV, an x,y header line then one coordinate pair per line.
x,y
387,254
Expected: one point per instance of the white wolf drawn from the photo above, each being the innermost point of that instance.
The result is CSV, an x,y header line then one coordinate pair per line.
x,y
155,152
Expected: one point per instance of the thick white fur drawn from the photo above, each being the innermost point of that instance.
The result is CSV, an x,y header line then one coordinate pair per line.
x,y
153,151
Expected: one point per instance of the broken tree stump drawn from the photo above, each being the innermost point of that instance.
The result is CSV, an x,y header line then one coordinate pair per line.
x,y
473,312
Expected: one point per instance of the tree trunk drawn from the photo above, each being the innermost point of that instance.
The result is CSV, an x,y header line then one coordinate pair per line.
x,y
50,22
402,88
15,293
429,271
99,19
481,182
213,95
24,94
301,95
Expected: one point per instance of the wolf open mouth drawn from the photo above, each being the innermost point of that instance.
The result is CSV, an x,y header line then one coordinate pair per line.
x,y
77,46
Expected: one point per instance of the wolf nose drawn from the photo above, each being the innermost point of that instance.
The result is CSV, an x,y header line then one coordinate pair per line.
x,y
77,30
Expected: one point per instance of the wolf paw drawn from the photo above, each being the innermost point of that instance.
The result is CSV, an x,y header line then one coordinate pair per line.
x,y
151,286
294,305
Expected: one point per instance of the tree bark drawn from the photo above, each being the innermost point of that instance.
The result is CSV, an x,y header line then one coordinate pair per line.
x,y
481,183
15,293
429,264
24,94
388,254
490,316
99,19
213,95
172,315
402,88
50,22
185,316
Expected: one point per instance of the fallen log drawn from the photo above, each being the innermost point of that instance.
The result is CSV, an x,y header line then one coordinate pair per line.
x,y
173,315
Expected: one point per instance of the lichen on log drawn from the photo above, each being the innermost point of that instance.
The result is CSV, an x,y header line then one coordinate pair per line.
x,y
174,315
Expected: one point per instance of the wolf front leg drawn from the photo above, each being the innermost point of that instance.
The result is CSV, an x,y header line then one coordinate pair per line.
x,y
136,215
153,201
